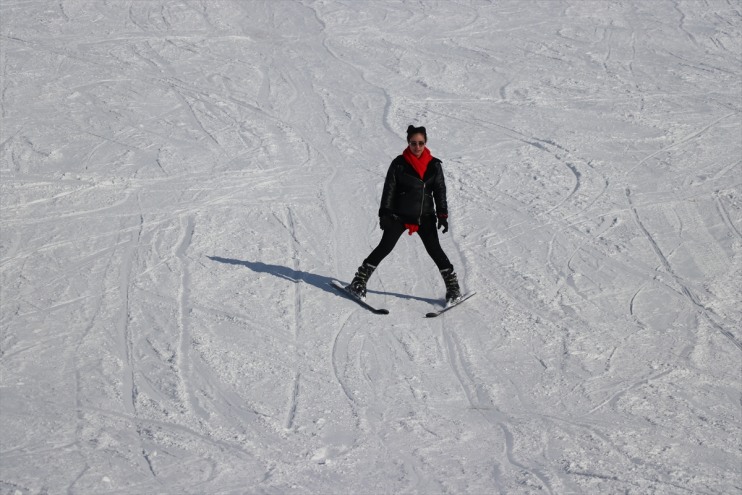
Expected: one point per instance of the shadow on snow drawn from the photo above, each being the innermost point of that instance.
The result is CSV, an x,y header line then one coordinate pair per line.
x,y
319,281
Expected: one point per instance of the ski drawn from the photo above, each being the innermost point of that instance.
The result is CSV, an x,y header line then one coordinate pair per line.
x,y
345,292
433,314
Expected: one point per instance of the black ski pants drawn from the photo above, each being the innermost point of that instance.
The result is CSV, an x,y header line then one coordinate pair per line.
x,y
428,233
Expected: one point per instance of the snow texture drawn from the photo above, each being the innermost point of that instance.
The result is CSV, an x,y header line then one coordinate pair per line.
x,y
182,178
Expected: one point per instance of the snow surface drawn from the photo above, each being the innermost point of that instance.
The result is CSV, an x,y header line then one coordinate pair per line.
x,y
181,179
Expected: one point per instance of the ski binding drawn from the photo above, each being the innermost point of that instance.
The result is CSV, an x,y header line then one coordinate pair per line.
x,y
439,312
345,292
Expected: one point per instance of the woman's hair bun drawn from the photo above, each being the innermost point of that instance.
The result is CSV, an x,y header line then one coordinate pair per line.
x,y
416,130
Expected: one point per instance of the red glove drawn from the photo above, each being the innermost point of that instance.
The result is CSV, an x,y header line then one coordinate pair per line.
x,y
412,227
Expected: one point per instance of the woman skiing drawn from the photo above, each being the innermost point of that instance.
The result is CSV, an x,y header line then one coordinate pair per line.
x,y
414,198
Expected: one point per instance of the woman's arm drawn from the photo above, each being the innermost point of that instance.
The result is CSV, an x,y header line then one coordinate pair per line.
x,y
439,191
386,208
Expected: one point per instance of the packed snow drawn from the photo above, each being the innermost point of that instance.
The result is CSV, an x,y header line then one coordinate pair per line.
x,y
182,178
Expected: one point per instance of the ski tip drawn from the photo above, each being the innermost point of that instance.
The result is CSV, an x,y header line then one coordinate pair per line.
x,y
431,315
382,311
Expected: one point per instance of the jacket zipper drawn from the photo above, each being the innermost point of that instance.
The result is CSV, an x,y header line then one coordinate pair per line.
x,y
422,205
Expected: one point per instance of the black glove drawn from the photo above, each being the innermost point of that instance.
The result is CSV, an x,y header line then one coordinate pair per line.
x,y
388,220
443,222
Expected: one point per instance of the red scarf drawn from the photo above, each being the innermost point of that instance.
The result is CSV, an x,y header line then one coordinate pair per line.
x,y
420,165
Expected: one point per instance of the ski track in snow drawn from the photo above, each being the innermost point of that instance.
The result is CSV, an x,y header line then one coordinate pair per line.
x,y
180,180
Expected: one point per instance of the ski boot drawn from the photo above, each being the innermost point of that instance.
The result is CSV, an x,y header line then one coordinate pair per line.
x,y
453,292
358,285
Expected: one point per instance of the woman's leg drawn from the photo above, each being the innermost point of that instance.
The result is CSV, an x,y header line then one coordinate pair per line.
x,y
429,235
391,235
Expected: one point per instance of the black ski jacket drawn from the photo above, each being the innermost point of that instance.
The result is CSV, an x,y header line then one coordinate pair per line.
x,y
408,196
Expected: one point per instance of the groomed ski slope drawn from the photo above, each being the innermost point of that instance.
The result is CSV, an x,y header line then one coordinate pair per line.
x,y
182,178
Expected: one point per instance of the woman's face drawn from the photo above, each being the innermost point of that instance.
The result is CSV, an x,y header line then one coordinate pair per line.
x,y
417,144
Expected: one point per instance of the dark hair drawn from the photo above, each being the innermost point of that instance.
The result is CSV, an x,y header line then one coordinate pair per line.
x,y
411,130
